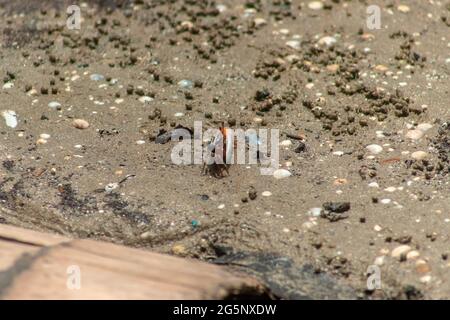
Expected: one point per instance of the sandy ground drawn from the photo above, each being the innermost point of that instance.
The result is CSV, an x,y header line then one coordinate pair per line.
x,y
328,83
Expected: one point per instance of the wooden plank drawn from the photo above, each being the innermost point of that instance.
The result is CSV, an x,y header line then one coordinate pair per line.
x,y
28,236
107,271
11,251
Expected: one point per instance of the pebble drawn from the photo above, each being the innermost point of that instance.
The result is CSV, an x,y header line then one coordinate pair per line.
x,y
8,85
266,194
386,201
259,22
179,250
186,84
308,225
373,185
41,141
424,127
333,68
10,118
315,5
286,143
145,99
54,105
221,7
179,114
294,44
419,155
97,77
45,136
381,68
400,250
403,8
281,174
390,189
374,148
146,235
414,134
257,120
379,261
221,206
412,255
292,58
80,124
327,41
314,212
422,266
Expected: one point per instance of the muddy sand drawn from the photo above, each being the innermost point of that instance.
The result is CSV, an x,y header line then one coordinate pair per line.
x,y
364,128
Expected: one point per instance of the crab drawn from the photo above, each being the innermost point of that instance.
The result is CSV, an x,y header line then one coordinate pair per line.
x,y
215,169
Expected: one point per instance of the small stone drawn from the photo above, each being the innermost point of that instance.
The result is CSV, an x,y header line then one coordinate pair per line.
x,y
422,266
179,250
266,194
400,250
259,22
8,85
292,58
424,127
186,84
286,143
414,134
146,235
412,255
45,136
333,68
425,279
381,68
308,225
54,105
10,118
145,99
385,201
314,212
374,148
281,174
373,185
315,5
403,8
97,77
419,155
379,261
294,44
390,189
80,124
327,41
257,120
41,141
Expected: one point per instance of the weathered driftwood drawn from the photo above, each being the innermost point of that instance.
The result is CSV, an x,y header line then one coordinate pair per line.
x,y
35,265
